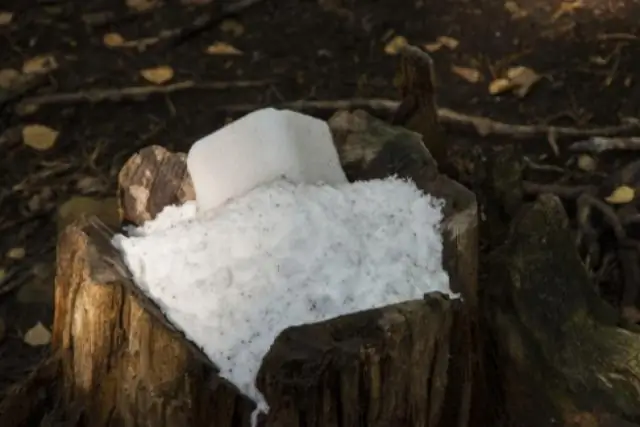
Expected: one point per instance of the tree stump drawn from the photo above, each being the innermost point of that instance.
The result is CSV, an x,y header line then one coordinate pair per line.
x,y
563,359
125,364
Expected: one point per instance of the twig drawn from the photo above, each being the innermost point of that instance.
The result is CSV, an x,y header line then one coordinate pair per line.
x,y
484,126
133,92
209,20
598,144
562,191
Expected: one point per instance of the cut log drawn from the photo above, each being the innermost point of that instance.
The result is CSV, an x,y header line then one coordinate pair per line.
x,y
125,364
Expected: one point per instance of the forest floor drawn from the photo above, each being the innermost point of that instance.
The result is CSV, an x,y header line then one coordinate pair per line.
x,y
83,85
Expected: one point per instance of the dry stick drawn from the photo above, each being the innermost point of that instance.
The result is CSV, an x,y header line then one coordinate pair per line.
x,y
134,92
484,126
598,144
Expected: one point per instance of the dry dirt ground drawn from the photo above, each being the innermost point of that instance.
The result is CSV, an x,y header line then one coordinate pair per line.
x,y
206,65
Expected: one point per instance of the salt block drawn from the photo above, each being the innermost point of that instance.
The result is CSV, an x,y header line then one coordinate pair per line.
x,y
259,148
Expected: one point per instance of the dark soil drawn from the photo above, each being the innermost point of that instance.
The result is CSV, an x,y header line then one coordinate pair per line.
x,y
589,55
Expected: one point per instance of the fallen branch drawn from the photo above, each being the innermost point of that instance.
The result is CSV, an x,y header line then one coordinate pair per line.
x,y
483,125
133,92
598,144
562,191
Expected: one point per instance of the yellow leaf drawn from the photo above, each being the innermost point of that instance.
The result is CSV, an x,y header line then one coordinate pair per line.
x,y
587,163
621,195
394,45
39,137
432,47
499,86
41,64
448,42
233,27
222,48
37,336
8,78
515,10
16,253
143,5
158,75
5,18
113,40
469,74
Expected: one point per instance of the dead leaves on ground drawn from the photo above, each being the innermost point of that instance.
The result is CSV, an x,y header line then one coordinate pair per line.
x,y
222,48
157,75
518,80
41,64
39,137
442,41
621,195
37,336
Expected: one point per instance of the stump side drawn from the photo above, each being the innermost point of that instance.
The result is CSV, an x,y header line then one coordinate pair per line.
x,y
118,362
375,368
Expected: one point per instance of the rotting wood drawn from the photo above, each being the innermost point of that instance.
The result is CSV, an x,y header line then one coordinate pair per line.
x,y
563,357
126,364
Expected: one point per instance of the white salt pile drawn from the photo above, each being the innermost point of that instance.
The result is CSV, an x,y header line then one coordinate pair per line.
x,y
285,254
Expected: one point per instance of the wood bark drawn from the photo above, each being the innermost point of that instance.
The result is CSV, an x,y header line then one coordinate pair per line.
x,y
125,364
563,359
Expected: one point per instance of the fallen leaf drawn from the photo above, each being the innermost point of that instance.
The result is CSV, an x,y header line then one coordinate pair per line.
x,y
394,45
442,41
37,336
113,40
448,42
39,137
523,79
5,18
41,64
469,74
432,47
587,163
517,79
16,253
158,75
621,195
515,10
499,86
143,5
567,7
9,77
222,48
233,27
